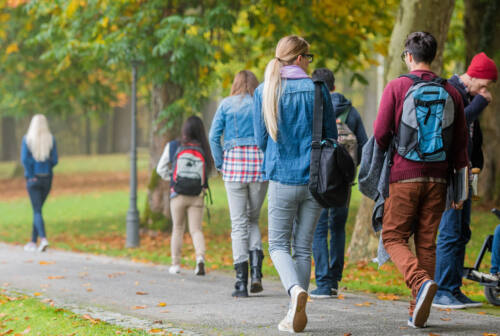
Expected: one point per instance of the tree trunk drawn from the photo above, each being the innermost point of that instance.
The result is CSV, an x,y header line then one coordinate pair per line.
x,y
482,33
9,144
103,136
88,135
157,210
414,15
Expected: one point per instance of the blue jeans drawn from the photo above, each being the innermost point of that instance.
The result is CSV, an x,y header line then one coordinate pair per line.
x,y
293,214
454,234
329,266
38,191
495,251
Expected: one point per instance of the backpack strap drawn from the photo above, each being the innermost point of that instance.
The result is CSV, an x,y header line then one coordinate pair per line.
x,y
413,77
174,146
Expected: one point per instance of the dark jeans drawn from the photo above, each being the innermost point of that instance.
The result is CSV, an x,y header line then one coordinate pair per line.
x,y
495,251
329,266
38,191
454,234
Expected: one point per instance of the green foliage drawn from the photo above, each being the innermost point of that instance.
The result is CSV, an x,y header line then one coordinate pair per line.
x,y
454,51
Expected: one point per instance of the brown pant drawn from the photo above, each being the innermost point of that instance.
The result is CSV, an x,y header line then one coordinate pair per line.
x,y
193,206
416,208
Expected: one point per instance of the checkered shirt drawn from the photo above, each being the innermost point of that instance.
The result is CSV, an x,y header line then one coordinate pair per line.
x,y
243,164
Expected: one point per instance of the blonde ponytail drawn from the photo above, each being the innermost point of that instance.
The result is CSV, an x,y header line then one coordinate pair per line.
x,y
270,97
38,138
287,51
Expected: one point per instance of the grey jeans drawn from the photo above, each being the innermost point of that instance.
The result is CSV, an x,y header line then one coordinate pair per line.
x,y
293,214
245,201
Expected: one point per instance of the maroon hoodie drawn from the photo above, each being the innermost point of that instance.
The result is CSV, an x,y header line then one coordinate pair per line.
x,y
387,124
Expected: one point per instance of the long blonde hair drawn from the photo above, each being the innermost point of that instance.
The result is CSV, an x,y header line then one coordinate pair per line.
x,y
38,138
287,50
244,82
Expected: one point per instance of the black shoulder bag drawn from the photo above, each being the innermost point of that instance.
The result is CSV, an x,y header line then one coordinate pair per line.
x,y
332,169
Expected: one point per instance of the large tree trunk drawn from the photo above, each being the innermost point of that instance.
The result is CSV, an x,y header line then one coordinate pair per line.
x,y
157,211
482,33
414,15
9,144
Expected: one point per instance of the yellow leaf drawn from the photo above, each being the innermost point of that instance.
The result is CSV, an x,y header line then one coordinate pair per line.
x,y
104,22
161,304
72,7
141,293
138,307
55,277
47,262
156,330
37,294
12,48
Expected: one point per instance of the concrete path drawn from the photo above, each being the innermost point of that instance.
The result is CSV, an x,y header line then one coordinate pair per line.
x,y
203,305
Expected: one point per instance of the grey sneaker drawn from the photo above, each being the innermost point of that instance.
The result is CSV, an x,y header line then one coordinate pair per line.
x,y
424,302
44,244
446,300
466,301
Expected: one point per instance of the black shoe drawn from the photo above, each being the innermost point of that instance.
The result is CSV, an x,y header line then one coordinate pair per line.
x,y
241,280
200,267
256,257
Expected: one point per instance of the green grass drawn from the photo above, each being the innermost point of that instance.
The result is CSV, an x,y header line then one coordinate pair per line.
x,y
95,223
21,314
87,164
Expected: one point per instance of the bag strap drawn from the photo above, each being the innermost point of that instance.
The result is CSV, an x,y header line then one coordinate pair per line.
x,y
317,132
174,145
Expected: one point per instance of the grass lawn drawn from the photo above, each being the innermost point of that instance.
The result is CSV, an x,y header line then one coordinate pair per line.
x,y
23,315
95,223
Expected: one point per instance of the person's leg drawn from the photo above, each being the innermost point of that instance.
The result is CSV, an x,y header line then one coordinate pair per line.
x,y
178,211
257,194
45,185
237,197
495,252
448,252
307,216
35,194
282,209
320,252
465,234
195,218
338,219
400,211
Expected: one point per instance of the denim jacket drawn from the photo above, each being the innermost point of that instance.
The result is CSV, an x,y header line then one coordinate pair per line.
x,y
33,167
233,118
287,161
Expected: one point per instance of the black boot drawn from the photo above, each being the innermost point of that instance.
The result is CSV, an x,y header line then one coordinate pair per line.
x,y
256,257
241,280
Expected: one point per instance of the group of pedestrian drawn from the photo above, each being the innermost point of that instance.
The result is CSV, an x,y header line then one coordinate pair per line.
x,y
260,141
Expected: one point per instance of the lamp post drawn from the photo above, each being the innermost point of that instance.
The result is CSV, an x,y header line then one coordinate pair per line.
x,y
133,213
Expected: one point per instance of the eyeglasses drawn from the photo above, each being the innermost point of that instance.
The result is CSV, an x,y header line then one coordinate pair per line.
x,y
309,57
403,55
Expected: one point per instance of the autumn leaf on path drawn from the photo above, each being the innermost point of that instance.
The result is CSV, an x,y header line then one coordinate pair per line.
x,y
156,330
161,304
481,313
6,332
444,309
341,297
55,277
36,294
89,289
489,334
432,334
165,311
388,297
445,319
91,319
364,304
141,293
347,334
42,262
138,307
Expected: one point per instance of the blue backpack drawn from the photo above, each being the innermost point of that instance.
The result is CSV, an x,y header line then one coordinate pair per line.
x,y
426,126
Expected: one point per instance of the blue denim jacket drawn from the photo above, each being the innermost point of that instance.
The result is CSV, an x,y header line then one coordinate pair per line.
x,y
33,167
287,161
234,118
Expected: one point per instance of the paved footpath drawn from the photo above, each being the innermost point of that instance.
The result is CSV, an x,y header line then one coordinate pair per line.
x,y
108,287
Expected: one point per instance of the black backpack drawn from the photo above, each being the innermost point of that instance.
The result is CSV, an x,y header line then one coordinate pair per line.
x,y
332,169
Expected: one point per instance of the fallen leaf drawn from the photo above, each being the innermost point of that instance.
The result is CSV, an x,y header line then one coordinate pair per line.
x,y
89,290
161,304
341,297
138,307
444,309
445,319
165,311
481,313
6,332
364,304
136,283
47,262
91,319
489,334
347,334
155,330
432,334
55,277
403,328
141,293
309,299
37,294
388,297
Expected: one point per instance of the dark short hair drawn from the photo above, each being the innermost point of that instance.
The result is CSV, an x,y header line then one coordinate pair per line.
x,y
325,75
422,46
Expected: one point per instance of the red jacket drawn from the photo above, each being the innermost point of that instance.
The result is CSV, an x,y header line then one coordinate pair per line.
x,y
387,124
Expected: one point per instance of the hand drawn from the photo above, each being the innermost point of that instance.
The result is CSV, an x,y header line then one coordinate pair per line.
x,y
486,94
33,179
457,206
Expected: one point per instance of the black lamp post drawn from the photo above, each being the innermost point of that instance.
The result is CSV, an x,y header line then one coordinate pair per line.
x,y
133,213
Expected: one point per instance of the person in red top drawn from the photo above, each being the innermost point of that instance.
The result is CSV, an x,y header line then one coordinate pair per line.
x,y
417,190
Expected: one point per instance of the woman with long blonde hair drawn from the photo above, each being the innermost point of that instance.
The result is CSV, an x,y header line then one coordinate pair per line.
x,y
283,115
38,156
240,162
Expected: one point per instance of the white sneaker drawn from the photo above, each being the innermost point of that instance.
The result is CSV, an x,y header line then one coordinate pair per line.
x,y
174,269
30,247
200,266
296,318
43,245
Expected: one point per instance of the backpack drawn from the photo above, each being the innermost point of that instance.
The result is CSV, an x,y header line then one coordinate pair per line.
x,y
332,169
346,137
426,126
188,168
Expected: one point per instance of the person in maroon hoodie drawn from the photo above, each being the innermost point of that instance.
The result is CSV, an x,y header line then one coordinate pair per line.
x,y
417,190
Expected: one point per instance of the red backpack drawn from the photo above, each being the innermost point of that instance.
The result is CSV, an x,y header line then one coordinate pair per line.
x,y
188,168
